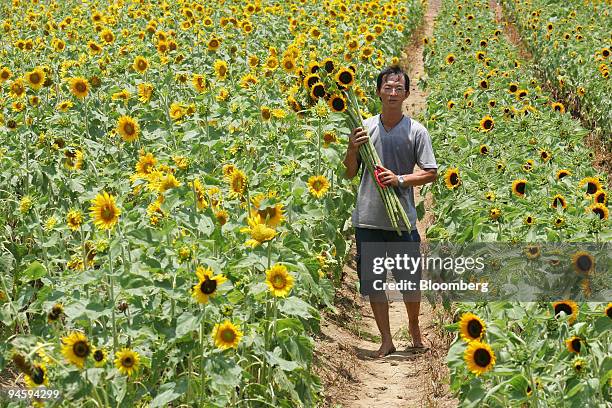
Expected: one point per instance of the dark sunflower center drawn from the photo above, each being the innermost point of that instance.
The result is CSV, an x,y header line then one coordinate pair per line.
x,y
81,349
38,375
338,104
142,64
513,88
127,362
591,188
318,91
609,312
278,282
345,78
329,66
484,150
317,185
529,220
520,188
474,328
533,250
312,80
600,212
600,198
107,212
214,44
98,355
35,78
482,358
563,307
80,86
488,124
228,335
208,286
454,179
576,344
584,263
558,201
128,128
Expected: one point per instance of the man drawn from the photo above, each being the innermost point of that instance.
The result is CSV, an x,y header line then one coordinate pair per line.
x,y
401,142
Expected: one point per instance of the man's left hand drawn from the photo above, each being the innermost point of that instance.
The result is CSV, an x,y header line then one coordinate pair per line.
x,y
388,178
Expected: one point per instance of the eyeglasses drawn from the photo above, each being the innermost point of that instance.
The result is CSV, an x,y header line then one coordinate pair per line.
x,y
390,89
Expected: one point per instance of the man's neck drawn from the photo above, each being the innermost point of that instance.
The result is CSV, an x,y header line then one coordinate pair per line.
x,y
391,118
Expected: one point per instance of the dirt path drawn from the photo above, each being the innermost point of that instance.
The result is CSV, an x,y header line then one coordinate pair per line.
x,y
403,379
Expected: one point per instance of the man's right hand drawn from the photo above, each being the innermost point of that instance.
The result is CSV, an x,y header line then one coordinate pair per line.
x,y
357,137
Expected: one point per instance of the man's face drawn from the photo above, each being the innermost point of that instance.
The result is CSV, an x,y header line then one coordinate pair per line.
x,y
393,91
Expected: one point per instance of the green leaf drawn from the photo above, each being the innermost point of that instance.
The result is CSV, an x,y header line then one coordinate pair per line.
x,y
187,322
295,306
275,358
34,271
167,393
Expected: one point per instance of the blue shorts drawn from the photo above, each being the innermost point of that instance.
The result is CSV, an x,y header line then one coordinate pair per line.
x,y
367,235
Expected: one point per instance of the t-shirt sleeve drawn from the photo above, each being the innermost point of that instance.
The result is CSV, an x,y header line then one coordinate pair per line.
x,y
425,157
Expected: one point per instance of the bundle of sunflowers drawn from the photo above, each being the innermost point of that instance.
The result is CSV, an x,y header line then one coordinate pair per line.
x,y
368,153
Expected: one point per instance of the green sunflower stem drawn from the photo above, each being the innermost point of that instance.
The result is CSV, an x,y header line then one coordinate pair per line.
x,y
111,295
202,349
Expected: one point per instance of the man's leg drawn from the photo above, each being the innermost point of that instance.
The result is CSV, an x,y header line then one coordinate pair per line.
x,y
413,322
412,299
380,308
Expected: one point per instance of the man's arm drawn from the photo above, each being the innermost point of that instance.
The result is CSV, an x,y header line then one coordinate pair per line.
x,y
420,177
351,161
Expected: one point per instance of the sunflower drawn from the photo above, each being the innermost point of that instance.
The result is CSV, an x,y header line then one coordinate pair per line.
x,y
237,182
37,376
545,155
207,285
5,74
226,335
73,158
563,173
483,149
55,313
484,84
337,103
528,165
558,107
127,361
608,310
99,355
259,231
558,222
558,200
569,307
345,77
490,196
573,344
317,91
479,357
471,327
94,47
145,91
529,220
486,124
36,78
450,59
221,216
104,211
213,44
17,88
583,262
532,251
146,164
521,93
329,137
519,187
593,184
318,186
494,213
450,104
79,87
451,178
600,209
271,215
128,128
221,70
107,36
279,280
600,197
141,64
513,87
329,65
76,348
74,219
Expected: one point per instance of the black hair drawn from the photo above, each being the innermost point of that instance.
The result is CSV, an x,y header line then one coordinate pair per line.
x,y
392,70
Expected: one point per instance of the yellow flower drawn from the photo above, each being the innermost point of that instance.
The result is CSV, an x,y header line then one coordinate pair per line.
x,y
145,91
199,82
76,348
124,95
207,285
177,111
451,178
141,64
25,204
279,280
272,215
226,335
79,87
593,184
259,232
166,182
220,69
471,327
99,355
73,159
127,361
128,128
36,78
104,211
37,376
64,106
237,183
74,219
583,262
573,344
569,307
518,187
318,186
479,357
486,124
146,164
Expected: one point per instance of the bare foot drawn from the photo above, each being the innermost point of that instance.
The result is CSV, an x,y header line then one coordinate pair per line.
x,y
384,350
415,333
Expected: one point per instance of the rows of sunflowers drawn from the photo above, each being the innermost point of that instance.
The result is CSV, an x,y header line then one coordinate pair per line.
x,y
572,44
172,199
516,170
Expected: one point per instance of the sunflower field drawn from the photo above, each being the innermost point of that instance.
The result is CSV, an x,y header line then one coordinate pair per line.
x,y
515,170
172,199
572,44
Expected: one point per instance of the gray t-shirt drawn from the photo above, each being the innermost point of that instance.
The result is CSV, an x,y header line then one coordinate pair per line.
x,y
407,144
